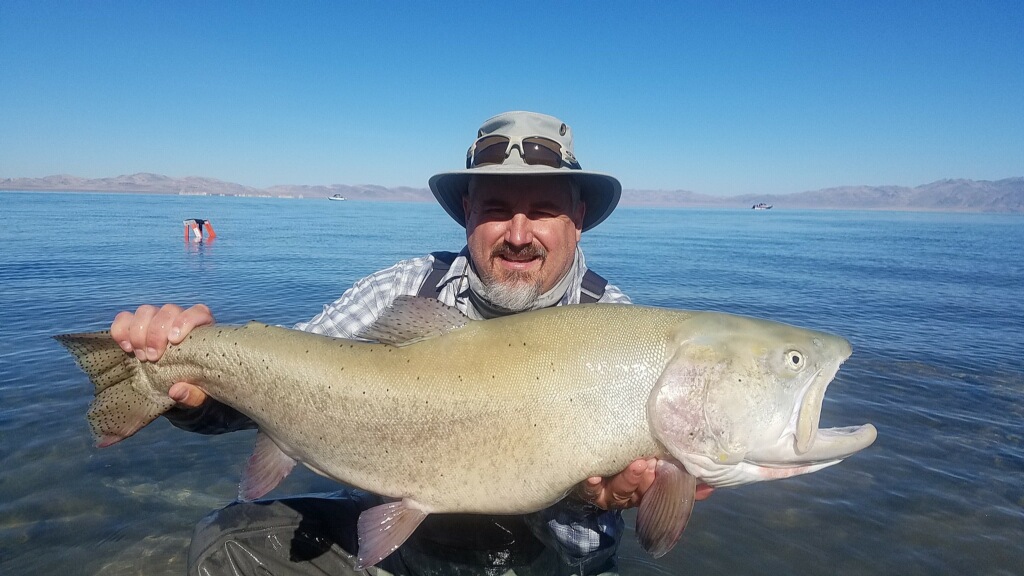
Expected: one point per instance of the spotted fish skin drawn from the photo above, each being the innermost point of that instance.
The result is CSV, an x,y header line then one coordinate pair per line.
x,y
425,420
502,416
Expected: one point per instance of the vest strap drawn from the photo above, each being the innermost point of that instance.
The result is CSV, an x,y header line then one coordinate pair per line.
x,y
442,262
592,287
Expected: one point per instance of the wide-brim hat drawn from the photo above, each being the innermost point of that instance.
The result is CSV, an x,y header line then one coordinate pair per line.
x,y
599,191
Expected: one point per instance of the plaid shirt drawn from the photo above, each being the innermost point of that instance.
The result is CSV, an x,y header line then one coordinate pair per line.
x,y
581,534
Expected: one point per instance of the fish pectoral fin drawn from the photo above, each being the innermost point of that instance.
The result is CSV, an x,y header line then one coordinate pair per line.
x,y
267,466
665,508
382,529
412,319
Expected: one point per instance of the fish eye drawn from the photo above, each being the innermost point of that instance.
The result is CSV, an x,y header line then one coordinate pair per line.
x,y
795,360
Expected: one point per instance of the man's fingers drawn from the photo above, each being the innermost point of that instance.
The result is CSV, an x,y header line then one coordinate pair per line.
x,y
647,478
186,321
147,332
590,489
620,491
187,395
138,330
703,491
120,328
624,486
627,488
156,333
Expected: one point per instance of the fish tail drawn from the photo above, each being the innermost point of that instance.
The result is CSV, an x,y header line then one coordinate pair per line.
x,y
125,401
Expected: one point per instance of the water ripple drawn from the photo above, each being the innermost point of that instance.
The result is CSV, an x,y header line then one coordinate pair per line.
x,y
930,303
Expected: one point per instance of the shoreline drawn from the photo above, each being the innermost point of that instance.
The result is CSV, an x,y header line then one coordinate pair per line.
x,y
629,199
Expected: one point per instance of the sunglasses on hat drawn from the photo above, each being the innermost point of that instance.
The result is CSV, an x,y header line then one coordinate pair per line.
x,y
535,150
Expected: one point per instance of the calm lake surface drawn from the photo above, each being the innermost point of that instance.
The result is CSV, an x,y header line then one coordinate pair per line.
x,y
932,303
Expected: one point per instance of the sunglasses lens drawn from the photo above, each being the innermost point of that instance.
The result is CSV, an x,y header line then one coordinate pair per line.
x,y
542,151
490,150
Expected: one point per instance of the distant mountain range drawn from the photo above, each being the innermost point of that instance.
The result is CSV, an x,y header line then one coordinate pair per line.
x,y
1005,195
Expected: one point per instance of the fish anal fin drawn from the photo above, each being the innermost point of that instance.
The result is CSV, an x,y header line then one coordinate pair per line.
x,y
412,319
265,469
665,508
382,529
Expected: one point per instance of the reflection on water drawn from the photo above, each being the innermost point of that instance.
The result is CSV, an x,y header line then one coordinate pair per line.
x,y
202,248
929,301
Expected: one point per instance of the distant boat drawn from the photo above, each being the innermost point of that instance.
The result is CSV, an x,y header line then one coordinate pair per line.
x,y
762,206
337,197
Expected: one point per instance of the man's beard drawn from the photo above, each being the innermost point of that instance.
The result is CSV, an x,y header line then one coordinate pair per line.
x,y
514,290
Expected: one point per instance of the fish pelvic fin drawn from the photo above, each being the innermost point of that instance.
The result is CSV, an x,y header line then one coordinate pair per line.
x,y
665,508
267,466
412,319
382,529
124,402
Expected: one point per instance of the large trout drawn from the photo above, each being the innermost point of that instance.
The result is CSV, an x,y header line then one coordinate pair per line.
x,y
502,416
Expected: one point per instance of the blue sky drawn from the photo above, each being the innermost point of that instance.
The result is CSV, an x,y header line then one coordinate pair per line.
x,y
714,97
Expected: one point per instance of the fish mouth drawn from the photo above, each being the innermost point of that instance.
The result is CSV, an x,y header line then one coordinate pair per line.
x,y
831,445
802,444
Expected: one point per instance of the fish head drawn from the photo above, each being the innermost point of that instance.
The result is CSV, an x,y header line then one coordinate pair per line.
x,y
740,400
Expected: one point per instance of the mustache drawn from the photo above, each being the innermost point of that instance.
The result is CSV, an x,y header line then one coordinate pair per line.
x,y
506,250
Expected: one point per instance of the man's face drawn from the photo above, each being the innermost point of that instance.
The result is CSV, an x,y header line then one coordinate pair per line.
x,y
522,234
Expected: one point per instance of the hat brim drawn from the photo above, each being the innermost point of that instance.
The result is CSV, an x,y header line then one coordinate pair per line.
x,y
600,192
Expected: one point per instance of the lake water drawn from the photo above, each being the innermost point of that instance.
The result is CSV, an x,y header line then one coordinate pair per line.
x,y
933,304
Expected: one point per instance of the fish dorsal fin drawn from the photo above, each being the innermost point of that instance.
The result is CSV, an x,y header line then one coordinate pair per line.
x,y
410,319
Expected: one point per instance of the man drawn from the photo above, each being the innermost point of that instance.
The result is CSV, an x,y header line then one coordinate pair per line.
x,y
524,201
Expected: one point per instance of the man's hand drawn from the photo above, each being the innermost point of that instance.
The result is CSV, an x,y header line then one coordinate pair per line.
x,y
625,489
149,330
